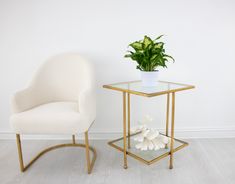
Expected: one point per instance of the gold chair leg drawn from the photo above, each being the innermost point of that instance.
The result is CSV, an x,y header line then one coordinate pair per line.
x,y
86,146
73,138
20,152
87,153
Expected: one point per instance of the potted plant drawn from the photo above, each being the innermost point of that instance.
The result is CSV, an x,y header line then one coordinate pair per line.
x,y
149,55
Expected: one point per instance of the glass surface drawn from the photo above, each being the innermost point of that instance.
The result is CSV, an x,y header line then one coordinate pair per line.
x,y
160,87
147,155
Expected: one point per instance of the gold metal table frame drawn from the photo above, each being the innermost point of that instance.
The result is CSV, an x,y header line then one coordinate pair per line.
x,y
134,87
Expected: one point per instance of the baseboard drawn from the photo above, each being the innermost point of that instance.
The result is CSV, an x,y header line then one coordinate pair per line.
x,y
187,133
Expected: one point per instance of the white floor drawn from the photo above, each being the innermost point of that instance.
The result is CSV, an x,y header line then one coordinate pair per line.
x,y
204,161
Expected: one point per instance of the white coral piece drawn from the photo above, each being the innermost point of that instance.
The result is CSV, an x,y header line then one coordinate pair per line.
x,y
149,139
152,134
150,145
138,128
139,138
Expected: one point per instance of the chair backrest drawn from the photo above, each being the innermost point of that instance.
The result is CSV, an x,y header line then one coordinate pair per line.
x,y
62,78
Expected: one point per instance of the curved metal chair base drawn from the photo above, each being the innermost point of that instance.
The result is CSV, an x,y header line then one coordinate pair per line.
x,y
86,146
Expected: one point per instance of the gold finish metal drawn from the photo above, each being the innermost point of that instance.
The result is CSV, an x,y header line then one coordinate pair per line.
x,y
172,129
129,91
129,82
20,152
73,137
87,153
167,113
111,143
124,130
128,153
129,120
186,87
24,168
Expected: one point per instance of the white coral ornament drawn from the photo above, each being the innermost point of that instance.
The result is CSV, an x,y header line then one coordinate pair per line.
x,y
149,139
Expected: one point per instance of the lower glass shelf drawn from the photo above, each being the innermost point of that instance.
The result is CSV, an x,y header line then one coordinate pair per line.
x,y
149,156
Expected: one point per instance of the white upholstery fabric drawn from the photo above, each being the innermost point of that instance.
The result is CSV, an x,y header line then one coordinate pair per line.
x,y
59,100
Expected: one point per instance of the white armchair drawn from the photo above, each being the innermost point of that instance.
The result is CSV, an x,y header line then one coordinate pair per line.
x,y
59,100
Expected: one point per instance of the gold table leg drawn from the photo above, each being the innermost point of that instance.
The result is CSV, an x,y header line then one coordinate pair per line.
x,y
124,130
172,129
167,115
128,121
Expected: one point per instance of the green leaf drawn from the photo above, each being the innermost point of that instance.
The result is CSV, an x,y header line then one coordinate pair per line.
x,y
128,55
147,41
165,55
153,57
136,45
158,45
138,67
158,37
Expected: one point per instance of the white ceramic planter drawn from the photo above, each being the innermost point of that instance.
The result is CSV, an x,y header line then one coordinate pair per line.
x,y
149,79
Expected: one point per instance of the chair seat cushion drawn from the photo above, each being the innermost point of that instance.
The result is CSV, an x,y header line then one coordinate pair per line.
x,y
51,118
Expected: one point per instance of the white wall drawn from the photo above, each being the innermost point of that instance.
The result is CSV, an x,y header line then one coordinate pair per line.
x,y
199,34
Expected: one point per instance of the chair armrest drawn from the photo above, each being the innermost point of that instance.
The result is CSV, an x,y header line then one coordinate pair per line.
x,y
87,104
22,100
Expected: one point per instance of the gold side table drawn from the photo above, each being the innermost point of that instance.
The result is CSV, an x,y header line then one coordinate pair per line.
x,y
124,144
